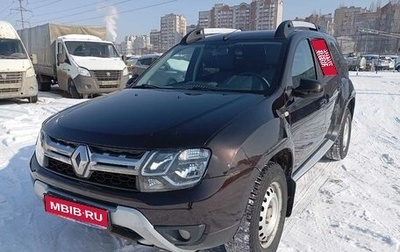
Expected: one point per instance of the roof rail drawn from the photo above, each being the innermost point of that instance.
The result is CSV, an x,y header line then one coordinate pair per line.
x,y
201,33
289,26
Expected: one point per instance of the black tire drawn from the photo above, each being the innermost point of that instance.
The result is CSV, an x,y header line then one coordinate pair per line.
x,y
73,92
43,86
33,99
265,212
340,148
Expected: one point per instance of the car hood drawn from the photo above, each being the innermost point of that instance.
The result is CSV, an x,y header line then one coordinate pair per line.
x,y
99,63
14,65
147,119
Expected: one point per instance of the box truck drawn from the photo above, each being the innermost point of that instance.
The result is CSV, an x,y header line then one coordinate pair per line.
x,y
17,75
77,58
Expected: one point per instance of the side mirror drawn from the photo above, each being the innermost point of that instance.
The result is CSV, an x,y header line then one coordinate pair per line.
x,y
309,89
132,80
33,58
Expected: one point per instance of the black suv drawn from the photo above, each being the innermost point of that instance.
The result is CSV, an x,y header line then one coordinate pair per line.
x,y
204,149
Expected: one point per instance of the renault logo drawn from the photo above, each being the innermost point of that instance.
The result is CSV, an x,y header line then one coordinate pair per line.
x,y
80,160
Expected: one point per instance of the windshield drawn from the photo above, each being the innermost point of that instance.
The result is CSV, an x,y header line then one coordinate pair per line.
x,y
216,66
12,49
91,49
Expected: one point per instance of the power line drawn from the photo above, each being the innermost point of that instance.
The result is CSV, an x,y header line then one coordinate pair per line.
x,y
7,7
74,8
37,7
83,12
127,11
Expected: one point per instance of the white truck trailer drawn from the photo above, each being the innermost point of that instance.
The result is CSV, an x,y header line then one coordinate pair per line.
x,y
77,58
17,75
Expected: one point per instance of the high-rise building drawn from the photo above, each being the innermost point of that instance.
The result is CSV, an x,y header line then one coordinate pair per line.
x,y
258,15
266,14
325,21
204,19
135,44
173,28
345,20
155,40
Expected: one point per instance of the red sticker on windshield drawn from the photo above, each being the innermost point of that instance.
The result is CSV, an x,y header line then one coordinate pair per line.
x,y
324,57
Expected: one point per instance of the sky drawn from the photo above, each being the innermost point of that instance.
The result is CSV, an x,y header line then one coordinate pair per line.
x,y
138,17
348,205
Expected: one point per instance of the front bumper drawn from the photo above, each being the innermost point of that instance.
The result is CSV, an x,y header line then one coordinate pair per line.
x,y
27,87
208,215
123,217
90,85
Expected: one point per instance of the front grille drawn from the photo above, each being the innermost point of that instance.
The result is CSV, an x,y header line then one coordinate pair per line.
x,y
107,75
105,179
10,77
9,90
107,167
10,82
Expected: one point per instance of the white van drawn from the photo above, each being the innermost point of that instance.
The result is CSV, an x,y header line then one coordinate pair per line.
x,y
17,76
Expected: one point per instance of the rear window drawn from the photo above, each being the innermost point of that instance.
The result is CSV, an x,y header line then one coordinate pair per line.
x,y
221,65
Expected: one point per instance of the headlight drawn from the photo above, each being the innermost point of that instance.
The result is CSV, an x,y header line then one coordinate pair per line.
x,y
83,72
125,71
174,170
40,148
30,72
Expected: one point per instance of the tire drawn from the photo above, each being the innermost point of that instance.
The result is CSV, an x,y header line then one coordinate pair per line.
x,y
262,222
43,86
340,148
33,99
72,91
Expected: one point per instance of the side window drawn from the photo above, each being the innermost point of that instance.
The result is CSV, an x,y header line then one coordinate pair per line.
x,y
337,55
303,64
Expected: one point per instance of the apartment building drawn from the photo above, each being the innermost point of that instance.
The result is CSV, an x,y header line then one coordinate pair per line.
x,y
369,30
257,15
266,14
135,44
172,30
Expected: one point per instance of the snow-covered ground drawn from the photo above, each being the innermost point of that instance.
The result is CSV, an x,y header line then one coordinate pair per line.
x,y
351,205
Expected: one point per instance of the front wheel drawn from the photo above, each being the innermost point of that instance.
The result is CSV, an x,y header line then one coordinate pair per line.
x,y
340,148
73,92
262,223
33,99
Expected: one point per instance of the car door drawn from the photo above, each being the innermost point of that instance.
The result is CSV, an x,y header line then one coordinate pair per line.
x,y
329,64
307,116
63,66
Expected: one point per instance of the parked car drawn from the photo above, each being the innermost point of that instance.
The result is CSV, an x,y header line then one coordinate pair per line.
x,y
131,61
142,63
385,63
371,61
397,64
208,157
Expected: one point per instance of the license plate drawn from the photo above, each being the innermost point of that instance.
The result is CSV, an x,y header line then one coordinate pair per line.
x,y
78,212
103,83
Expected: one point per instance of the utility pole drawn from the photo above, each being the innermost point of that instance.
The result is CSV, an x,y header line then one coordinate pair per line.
x,y
22,14
21,11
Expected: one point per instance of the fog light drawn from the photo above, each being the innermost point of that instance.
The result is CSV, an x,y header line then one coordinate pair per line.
x,y
184,234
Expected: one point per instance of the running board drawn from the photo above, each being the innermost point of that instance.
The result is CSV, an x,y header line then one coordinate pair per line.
x,y
312,160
